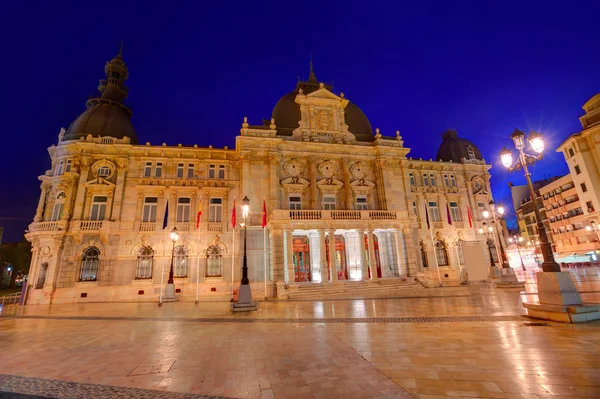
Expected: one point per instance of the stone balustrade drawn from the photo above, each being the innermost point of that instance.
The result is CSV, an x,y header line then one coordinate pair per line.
x,y
313,214
57,225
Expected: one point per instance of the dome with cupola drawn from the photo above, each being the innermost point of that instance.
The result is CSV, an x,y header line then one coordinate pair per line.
x,y
455,149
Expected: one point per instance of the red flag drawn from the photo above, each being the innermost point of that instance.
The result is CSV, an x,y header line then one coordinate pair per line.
x,y
233,218
264,218
470,216
199,214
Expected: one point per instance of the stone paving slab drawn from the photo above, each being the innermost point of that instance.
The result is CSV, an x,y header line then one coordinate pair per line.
x,y
302,320
16,387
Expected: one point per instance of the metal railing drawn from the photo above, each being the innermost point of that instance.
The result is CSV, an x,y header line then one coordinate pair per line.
x,y
89,225
11,299
313,214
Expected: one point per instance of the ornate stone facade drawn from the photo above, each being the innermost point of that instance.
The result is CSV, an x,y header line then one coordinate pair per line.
x,y
329,188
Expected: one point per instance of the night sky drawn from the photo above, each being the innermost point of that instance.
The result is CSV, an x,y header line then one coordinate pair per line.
x,y
197,70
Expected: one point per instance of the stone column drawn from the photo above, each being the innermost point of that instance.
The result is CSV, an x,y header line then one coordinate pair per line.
x,y
277,259
274,185
119,189
53,265
225,212
138,207
172,198
291,277
399,254
206,212
347,191
312,168
39,212
84,171
323,257
87,206
372,260
364,264
332,257
443,210
315,264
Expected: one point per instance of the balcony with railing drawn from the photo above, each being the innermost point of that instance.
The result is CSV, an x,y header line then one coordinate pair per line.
x,y
147,226
49,226
318,214
90,225
215,227
184,226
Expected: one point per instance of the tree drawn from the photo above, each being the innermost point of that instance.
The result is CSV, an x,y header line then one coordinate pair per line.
x,y
18,255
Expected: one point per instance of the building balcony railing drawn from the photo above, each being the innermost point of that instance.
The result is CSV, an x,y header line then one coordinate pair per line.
x,y
90,225
314,214
57,225
184,226
147,226
216,227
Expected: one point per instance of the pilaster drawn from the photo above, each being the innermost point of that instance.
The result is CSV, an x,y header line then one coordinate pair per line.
x,y
364,264
332,257
39,212
119,189
372,260
323,257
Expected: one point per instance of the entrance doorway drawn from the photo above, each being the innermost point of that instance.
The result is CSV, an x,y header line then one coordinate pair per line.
x,y
340,257
301,259
377,257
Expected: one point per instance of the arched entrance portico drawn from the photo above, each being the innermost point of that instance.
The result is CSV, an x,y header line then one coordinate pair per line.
x,y
377,254
301,259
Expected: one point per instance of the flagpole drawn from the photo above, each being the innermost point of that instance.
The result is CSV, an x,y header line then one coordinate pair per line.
x,y
265,242
233,225
162,268
198,267
437,263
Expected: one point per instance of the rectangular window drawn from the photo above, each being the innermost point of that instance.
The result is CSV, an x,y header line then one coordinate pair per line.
x,y
414,206
98,207
361,203
577,170
329,202
68,167
446,181
455,212
221,172
571,152
158,170
215,210
590,206
583,187
149,211
434,212
425,179
412,179
57,211
190,171
452,181
59,171
148,169
211,171
179,170
295,202
432,178
480,205
183,210
471,153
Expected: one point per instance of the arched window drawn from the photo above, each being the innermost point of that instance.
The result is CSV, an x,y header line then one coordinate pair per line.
x,y
59,205
213,261
89,264
180,261
145,262
42,277
441,253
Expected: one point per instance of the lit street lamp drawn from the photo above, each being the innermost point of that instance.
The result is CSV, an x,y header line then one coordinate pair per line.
x,y
174,237
244,302
537,145
497,212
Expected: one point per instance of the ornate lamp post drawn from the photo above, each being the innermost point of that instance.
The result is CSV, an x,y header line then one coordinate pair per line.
x,y
556,289
537,144
245,302
487,231
497,212
170,288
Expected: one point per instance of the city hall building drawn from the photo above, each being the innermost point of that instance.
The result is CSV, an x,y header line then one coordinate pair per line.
x,y
344,204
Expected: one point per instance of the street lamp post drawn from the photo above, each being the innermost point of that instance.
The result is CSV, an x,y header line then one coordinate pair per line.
x,y
559,299
537,144
170,288
497,212
487,231
244,302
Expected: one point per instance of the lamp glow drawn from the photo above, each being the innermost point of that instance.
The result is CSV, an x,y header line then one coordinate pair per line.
x,y
486,213
588,228
520,239
506,157
245,207
174,235
480,230
490,229
500,210
519,139
536,142
510,239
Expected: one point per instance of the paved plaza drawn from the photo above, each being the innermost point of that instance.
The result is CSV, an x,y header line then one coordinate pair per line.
x,y
469,341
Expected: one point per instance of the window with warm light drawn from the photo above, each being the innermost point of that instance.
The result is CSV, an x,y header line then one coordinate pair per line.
x,y
98,207
149,211
183,209
215,210
295,202
434,212
59,206
455,212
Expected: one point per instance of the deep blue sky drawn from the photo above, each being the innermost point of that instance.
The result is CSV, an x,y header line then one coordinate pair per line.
x,y
196,70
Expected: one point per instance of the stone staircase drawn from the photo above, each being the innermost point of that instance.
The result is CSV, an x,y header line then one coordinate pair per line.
x,y
448,275
382,288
